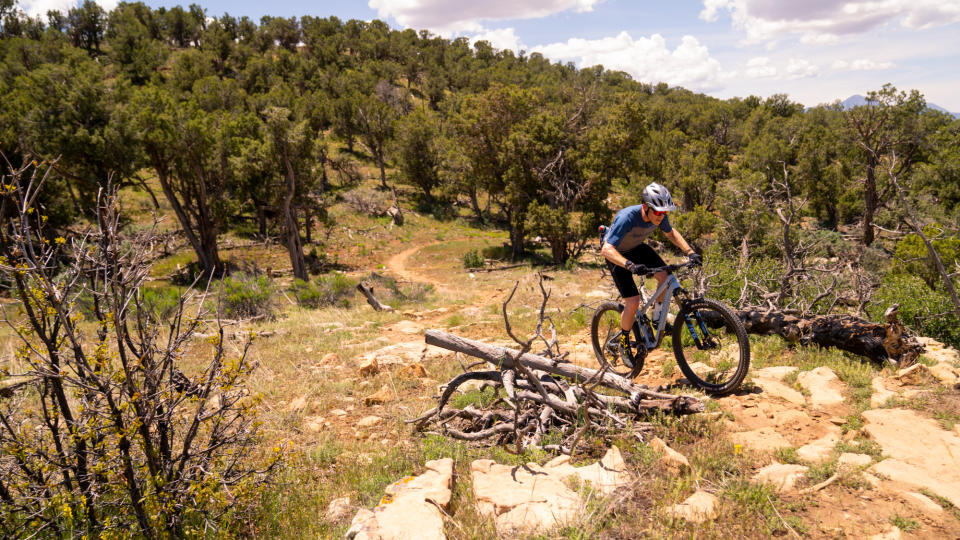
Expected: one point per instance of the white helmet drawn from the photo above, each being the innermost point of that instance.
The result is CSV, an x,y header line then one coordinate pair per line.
x,y
658,198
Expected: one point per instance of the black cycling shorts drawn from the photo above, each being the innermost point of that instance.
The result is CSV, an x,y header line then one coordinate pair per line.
x,y
642,254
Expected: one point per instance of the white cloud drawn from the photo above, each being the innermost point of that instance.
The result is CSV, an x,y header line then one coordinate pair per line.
x,y
798,68
445,17
646,59
818,21
760,68
861,65
40,8
502,38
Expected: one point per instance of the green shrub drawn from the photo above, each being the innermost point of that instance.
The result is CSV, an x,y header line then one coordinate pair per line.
x,y
697,224
330,290
925,310
914,258
161,302
473,259
243,296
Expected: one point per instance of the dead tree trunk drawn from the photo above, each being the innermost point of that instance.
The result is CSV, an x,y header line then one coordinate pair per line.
x,y
503,358
880,343
372,300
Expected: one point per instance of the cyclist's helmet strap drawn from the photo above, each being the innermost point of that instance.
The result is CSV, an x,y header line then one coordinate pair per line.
x,y
657,197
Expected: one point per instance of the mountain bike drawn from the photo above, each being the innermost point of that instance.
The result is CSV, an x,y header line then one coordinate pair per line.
x,y
709,341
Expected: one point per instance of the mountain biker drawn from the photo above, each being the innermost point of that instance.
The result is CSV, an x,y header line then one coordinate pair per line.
x,y
626,253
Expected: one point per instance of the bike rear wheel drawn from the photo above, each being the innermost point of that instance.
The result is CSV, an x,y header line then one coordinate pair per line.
x,y
603,328
711,346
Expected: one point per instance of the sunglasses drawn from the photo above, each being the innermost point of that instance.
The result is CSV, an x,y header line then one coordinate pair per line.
x,y
656,212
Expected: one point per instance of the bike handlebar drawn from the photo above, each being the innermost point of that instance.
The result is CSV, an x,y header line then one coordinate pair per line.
x,y
670,268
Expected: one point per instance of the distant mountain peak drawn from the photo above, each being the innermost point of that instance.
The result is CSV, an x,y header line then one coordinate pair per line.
x,y
857,100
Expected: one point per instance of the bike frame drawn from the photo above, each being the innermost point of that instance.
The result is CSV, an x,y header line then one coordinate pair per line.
x,y
669,287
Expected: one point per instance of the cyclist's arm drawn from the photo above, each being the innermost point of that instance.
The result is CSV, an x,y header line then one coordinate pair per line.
x,y
675,237
611,254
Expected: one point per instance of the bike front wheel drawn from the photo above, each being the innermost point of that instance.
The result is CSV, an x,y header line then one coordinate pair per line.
x,y
711,346
603,328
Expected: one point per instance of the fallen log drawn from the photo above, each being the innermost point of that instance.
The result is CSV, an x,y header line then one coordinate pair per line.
x,y
642,399
880,343
371,299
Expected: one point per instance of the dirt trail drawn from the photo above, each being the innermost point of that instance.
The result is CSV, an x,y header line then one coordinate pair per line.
x,y
804,415
397,265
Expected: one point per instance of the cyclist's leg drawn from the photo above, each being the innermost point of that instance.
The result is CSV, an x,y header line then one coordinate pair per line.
x,y
630,306
627,287
645,255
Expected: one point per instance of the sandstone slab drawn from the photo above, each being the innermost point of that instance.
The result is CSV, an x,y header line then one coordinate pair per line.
x,y
409,507
826,389
946,374
915,375
880,394
776,372
922,454
938,352
850,460
605,476
530,498
820,449
673,460
783,477
764,439
923,503
369,421
777,389
699,507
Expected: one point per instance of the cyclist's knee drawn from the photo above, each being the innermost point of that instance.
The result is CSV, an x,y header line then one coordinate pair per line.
x,y
631,304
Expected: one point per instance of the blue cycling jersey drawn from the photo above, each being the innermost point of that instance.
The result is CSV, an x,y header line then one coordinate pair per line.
x,y
629,229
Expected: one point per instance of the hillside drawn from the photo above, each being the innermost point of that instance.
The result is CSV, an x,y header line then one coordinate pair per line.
x,y
190,202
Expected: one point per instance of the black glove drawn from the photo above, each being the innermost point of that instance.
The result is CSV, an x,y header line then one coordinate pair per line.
x,y
695,259
635,268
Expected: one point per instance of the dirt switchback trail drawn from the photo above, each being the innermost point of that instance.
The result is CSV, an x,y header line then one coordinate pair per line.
x,y
397,265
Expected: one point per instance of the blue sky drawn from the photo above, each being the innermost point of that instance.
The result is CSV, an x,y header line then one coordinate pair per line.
x,y
815,51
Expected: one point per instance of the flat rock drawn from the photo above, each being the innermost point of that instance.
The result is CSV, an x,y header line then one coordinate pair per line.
x,y
938,352
369,421
880,394
698,508
782,476
916,375
946,374
530,498
776,372
764,439
922,455
824,386
524,499
673,460
407,327
820,449
330,358
775,388
605,476
923,503
409,507
853,461
408,352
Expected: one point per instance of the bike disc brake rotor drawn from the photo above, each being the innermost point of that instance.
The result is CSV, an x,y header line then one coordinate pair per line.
x,y
712,353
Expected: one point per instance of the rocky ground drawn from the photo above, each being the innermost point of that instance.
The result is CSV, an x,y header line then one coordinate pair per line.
x,y
855,455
